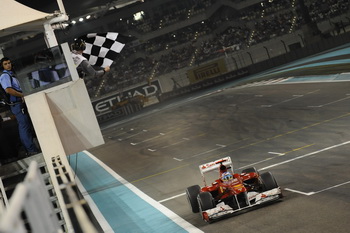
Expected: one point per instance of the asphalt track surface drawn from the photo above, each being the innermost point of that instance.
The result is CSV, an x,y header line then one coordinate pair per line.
x,y
297,129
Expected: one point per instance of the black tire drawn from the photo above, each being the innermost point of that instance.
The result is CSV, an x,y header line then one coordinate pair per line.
x,y
205,201
250,169
268,181
192,193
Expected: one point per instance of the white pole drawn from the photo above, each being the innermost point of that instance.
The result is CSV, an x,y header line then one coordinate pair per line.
x,y
50,37
61,6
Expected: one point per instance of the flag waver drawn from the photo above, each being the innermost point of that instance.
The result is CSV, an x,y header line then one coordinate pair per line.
x,y
102,48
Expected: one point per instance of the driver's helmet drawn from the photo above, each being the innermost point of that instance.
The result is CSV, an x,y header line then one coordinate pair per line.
x,y
226,177
78,45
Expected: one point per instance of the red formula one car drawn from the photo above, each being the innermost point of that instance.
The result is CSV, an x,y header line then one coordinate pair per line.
x,y
232,192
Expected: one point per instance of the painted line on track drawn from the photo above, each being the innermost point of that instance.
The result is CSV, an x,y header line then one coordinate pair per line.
x,y
279,135
306,155
133,135
149,139
276,153
173,197
123,203
97,213
332,187
284,162
252,164
296,191
208,151
322,105
316,192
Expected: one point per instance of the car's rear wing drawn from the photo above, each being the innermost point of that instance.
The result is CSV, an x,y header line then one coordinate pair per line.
x,y
207,167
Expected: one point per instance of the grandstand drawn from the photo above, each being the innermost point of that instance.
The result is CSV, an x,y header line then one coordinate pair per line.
x,y
195,32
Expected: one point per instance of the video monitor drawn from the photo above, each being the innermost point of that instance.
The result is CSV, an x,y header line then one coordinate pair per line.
x,y
48,75
42,69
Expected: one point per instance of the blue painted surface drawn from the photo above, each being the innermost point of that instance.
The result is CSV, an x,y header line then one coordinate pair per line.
x,y
319,78
311,61
123,209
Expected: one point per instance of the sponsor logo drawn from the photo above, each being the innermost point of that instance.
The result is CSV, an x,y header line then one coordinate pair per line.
x,y
104,105
207,71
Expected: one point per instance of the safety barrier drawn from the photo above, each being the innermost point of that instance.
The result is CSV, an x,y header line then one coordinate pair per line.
x,y
3,198
31,199
30,208
74,205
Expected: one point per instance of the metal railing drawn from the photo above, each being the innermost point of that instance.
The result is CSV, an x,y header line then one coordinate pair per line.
x,y
31,198
30,208
73,204
3,198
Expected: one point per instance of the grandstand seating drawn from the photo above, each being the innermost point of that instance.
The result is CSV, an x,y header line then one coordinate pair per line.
x,y
203,39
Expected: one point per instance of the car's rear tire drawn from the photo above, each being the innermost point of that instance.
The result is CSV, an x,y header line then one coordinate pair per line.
x,y
269,181
251,181
249,170
205,201
192,193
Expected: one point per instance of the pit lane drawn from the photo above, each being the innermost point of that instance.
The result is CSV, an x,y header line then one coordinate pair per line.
x,y
298,131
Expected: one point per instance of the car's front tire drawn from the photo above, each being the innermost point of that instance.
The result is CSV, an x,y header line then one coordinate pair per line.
x,y
269,181
206,201
192,193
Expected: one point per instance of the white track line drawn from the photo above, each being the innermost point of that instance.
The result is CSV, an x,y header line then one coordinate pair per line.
x,y
173,197
303,156
296,191
205,152
276,153
322,190
288,161
332,187
167,212
149,139
319,106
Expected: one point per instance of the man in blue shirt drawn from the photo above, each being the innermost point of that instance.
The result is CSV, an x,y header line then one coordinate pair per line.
x,y
12,87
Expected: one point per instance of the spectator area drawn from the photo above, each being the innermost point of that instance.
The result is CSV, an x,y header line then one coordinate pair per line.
x,y
191,32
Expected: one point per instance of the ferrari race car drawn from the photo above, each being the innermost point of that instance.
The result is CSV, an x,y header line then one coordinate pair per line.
x,y
232,192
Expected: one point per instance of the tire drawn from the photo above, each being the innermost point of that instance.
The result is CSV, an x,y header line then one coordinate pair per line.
x,y
250,169
205,201
192,193
268,181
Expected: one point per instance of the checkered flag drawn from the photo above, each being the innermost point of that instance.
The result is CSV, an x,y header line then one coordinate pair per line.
x,y
102,48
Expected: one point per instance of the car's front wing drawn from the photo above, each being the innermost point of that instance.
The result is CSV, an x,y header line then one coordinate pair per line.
x,y
254,198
